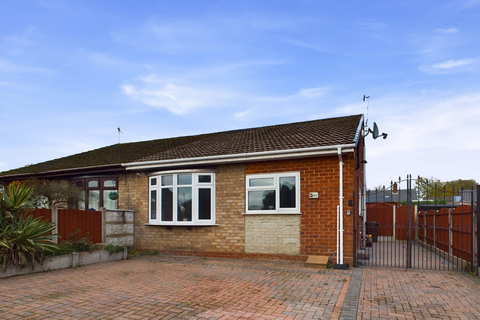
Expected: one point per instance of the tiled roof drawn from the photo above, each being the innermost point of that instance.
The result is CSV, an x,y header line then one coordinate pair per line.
x,y
315,133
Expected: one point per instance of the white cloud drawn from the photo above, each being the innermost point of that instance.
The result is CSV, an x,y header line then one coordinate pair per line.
x,y
180,98
313,92
8,67
373,24
432,139
446,31
177,99
452,64
449,66
310,46
472,3
242,115
16,45
104,59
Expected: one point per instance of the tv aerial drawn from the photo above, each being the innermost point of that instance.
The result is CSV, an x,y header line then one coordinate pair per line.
x,y
375,133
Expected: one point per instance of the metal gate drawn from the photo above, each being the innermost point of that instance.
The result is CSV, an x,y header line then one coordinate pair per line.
x,y
423,227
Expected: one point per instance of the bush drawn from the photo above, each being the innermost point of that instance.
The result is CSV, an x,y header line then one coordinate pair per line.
x,y
113,248
23,238
74,243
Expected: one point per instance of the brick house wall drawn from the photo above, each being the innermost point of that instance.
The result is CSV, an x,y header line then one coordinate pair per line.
x,y
318,221
255,236
228,236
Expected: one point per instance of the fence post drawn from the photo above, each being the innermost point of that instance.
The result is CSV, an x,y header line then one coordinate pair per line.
x,y
472,252
416,222
478,228
450,232
104,222
54,211
409,221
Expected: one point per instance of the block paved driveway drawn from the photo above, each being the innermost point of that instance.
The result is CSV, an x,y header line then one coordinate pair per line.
x,y
165,287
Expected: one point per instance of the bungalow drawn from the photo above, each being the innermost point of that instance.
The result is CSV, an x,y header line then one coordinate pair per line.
x,y
275,192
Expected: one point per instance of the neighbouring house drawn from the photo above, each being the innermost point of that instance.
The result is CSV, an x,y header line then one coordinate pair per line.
x,y
274,192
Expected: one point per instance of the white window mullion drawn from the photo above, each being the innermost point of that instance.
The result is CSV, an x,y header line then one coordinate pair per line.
x,y
175,200
194,198
277,193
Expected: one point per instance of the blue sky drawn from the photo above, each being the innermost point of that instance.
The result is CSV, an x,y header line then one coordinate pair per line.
x,y
71,72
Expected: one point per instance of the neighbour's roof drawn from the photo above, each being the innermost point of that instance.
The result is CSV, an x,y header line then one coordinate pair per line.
x,y
299,135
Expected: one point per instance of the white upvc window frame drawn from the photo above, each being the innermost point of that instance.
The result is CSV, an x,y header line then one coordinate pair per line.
x,y
274,186
195,186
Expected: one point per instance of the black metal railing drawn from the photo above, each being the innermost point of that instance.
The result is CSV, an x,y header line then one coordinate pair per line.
x,y
425,227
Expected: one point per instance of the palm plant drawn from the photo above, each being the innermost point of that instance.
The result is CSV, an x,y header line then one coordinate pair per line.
x,y
23,238
15,200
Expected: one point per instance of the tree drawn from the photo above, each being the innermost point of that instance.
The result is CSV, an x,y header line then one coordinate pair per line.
x,y
460,184
429,187
59,193
434,188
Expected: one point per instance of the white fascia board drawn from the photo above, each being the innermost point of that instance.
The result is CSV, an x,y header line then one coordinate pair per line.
x,y
244,157
358,133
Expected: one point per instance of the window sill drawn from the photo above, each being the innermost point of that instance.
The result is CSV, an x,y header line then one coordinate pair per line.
x,y
180,225
266,212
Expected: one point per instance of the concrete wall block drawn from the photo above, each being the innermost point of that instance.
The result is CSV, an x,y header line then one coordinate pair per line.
x,y
126,241
266,234
120,216
115,229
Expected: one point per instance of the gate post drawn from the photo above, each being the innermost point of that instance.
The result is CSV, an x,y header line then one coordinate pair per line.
x,y
478,228
104,224
472,261
55,220
409,221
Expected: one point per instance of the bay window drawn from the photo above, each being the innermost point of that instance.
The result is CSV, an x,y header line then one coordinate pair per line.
x,y
273,193
183,198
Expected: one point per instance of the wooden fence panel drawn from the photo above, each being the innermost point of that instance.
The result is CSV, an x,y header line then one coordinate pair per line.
x,y
43,214
383,214
89,222
429,227
401,223
442,229
462,232
421,226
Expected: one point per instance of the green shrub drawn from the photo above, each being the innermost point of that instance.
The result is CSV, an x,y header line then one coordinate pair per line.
x,y
74,243
113,248
23,238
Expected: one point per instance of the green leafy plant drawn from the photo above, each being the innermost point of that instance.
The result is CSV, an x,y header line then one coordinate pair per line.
x,y
74,243
113,248
23,238
15,201
146,252
113,195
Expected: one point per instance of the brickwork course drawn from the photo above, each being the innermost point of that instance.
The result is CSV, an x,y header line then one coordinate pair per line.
x,y
170,287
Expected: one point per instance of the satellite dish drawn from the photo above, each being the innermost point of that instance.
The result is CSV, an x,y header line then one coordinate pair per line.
x,y
375,130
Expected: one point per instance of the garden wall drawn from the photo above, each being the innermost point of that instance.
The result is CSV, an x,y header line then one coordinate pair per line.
x,y
65,261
